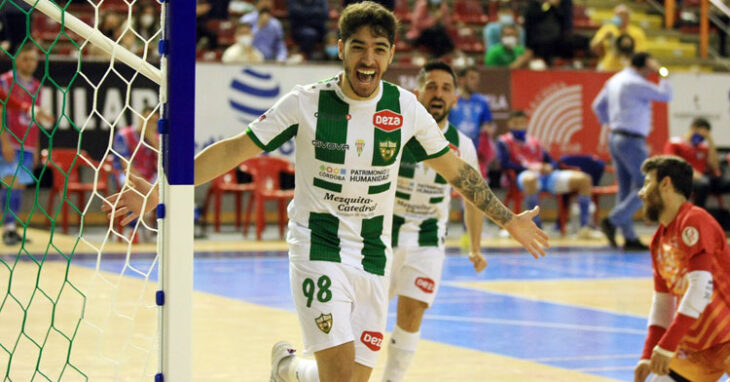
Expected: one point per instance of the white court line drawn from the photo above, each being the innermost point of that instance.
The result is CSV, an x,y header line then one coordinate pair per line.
x,y
606,368
457,284
585,357
553,325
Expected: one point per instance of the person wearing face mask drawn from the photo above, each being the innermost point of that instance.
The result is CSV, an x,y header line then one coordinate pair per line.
x,y
537,172
509,52
308,20
605,46
268,34
624,106
331,51
493,30
698,148
243,51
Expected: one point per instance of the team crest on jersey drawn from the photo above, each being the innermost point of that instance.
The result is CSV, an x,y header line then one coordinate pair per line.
x,y
387,149
324,322
690,236
359,145
387,120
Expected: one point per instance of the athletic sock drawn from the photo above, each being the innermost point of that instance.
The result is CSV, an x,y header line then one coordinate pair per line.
x,y
401,349
584,202
7,215
296,369
532,201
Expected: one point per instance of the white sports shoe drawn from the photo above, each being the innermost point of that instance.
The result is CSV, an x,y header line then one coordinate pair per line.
x,y
281,351
588,233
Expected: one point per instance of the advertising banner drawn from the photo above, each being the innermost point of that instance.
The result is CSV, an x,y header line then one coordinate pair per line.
x,y
704,95
559,106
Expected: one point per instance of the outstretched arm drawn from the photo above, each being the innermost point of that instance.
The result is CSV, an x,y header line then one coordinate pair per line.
x,y
472,186
473,219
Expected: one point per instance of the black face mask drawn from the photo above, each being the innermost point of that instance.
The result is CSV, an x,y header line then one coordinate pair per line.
x,y
265,10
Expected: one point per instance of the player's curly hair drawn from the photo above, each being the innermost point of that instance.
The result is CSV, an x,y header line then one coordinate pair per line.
x,y
677,169
381,21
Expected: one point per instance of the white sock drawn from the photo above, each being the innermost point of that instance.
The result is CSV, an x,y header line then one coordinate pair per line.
x,y
401,349
296,369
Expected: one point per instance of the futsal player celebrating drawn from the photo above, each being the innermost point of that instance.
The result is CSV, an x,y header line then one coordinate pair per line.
x,y
691,263
350,132
421,213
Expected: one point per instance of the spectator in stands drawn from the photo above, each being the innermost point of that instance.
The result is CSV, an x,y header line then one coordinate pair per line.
x,y
698,148
4,33
493,30
537,172
268,34
509,52
114,26
147,25
624,104
243,51
205,38
331,49
142,141
605,43
471,115
390,4
548,30
430,27
308,22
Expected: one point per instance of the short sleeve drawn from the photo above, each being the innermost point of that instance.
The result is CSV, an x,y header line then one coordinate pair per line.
x,y
277,125
698,237
428,142
486,112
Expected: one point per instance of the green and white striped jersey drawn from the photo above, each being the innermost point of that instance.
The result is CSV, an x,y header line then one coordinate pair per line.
x,y
423,197
347,158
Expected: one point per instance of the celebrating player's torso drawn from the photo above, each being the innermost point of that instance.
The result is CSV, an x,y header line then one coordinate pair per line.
x,y
343,204
423,197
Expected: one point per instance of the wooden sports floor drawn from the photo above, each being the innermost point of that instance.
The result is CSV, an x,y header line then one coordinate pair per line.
x,y
577,315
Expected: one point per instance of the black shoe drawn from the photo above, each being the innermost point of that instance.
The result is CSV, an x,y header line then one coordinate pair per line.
x,y
609,230
11,237
635,245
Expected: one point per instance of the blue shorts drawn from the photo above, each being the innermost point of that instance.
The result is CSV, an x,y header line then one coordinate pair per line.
x,y
21,167
557,182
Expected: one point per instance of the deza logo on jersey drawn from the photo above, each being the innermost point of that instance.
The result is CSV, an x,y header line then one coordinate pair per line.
x,y
373,340
387,120
425,284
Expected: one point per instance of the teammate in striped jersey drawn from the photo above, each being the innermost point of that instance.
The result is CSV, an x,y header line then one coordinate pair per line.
x,y
349,132
421,213
691,262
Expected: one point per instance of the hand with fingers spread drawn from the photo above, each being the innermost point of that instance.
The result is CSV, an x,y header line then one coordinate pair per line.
x,y
136,198
477,259
527,233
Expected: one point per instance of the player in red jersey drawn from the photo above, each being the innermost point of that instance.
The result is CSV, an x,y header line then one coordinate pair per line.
x,y
691,262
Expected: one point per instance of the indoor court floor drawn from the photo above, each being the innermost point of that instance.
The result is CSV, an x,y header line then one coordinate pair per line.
x,y
577,315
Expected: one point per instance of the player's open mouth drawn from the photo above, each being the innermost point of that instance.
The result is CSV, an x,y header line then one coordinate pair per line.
x,y
436,106
365,75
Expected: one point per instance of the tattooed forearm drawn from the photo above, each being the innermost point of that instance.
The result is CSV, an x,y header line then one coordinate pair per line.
x,y
473,187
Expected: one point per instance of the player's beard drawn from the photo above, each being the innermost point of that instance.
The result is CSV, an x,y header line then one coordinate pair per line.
x,y
653,205
362,89
439,114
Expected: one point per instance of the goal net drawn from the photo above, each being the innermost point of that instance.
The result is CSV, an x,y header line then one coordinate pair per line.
x,y
81,99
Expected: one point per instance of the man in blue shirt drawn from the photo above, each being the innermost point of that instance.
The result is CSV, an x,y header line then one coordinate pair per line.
x,y
268,35
624,104
471,114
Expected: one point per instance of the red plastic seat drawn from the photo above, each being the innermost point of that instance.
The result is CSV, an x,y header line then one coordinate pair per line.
x,y
66,165
225,184
515,196
265,171
402,11
470,12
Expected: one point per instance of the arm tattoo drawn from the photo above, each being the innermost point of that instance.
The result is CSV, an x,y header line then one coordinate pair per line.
x,y
473,187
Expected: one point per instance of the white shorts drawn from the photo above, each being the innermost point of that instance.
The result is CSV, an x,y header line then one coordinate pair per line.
x,y
337,304
557,182
416,272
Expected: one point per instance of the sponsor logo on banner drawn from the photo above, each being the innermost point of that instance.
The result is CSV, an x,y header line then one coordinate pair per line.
x,y
557,114
690,236
324,322
425,284
373,340
387,120
359,145
387,149
253,93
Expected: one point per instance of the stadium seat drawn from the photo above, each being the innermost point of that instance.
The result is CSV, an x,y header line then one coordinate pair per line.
x,y
515,196
65,165
595,167
402,11
470,12
225,184
265,171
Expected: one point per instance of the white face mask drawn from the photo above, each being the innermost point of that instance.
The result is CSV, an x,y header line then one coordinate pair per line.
x,y
147,20
244,40
509,41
